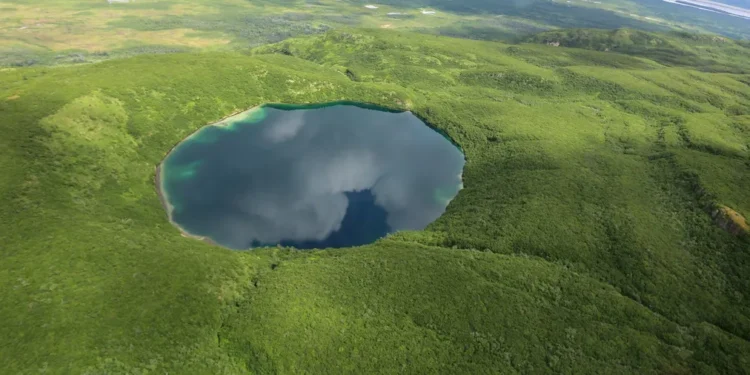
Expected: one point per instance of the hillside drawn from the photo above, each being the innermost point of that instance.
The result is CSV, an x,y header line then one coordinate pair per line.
x,y
600,229
703,52
65,32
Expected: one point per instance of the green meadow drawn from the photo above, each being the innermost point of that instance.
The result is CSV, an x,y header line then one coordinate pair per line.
x,y
65,32
592,235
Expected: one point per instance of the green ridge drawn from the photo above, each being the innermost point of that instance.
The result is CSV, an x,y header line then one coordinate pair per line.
x,y
581,242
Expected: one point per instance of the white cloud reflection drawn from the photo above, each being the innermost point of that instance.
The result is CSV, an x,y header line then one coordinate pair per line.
x,y
286,178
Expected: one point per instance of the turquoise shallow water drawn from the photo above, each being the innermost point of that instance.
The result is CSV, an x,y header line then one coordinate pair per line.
x,y
318,176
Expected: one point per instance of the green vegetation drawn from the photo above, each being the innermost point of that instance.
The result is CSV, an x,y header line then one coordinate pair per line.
x,y
707,21
582,242
698,51
546,12
40,32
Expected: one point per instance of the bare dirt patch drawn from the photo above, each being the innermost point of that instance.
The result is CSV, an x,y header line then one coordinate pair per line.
x,y
731,221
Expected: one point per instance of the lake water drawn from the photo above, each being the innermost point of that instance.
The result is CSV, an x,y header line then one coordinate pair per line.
x,y
318,176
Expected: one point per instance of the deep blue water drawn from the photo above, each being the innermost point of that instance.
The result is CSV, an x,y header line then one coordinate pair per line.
x,y
310,177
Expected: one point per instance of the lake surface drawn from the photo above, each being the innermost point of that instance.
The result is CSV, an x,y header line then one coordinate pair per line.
x,y
318,176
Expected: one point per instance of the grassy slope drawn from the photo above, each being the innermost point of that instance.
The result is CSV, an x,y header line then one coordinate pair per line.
x,y
63,32
40,32
698,51
580,243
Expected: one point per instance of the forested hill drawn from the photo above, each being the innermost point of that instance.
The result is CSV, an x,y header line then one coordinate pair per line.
x,y
601,228
704,52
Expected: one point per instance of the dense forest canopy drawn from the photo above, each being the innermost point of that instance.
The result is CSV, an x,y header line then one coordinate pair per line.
x,y
602,227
